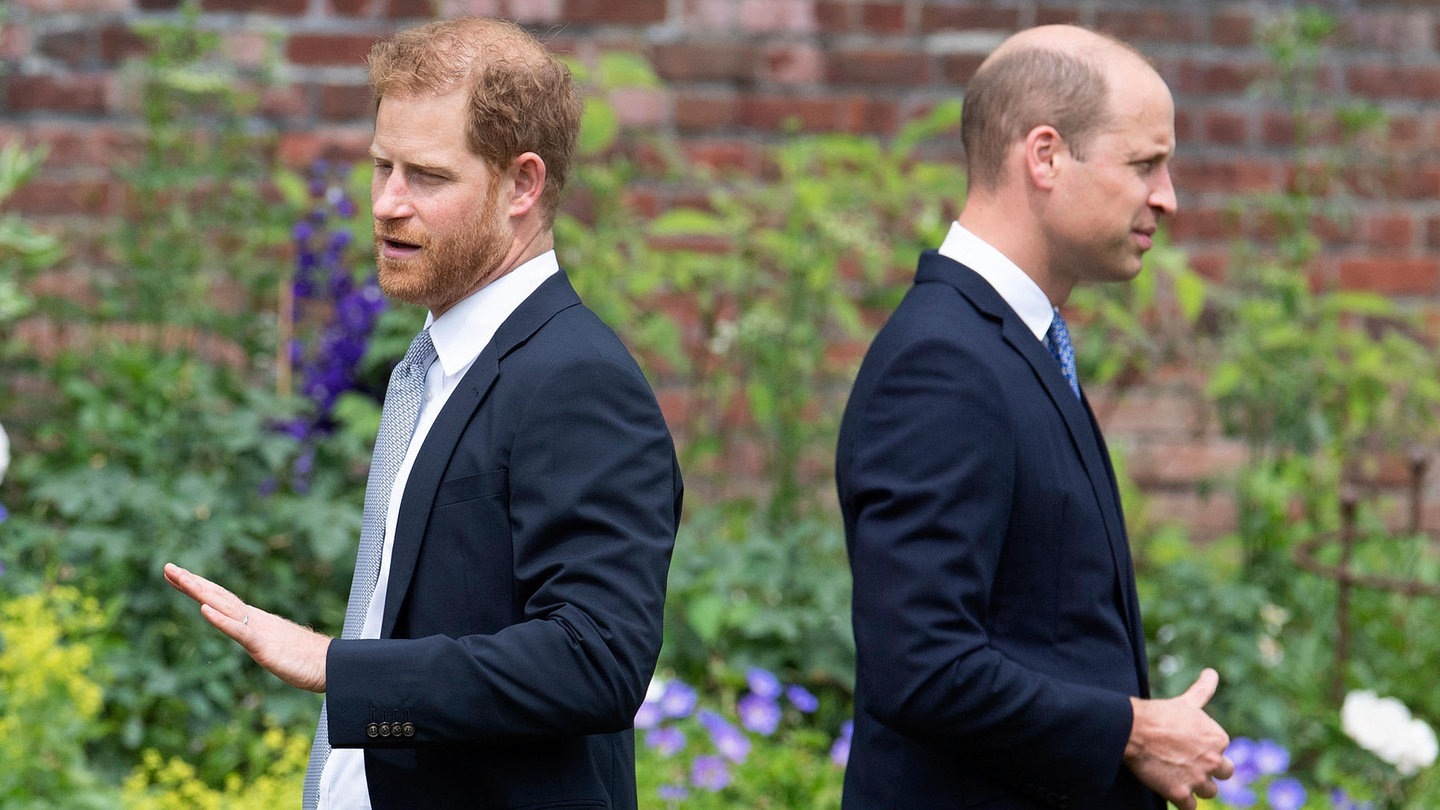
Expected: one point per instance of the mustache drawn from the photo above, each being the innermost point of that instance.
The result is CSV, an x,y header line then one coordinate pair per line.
x,y
397,234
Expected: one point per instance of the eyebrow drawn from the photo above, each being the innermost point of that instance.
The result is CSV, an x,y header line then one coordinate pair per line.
x,y
428,168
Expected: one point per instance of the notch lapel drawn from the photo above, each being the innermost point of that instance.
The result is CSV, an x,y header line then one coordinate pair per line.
x,y
550,298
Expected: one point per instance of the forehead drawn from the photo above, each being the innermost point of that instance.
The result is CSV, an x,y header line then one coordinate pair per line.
x,y
1142,112
421,125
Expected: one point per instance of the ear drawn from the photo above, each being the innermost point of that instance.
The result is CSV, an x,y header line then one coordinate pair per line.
x,y
1043,146
527,173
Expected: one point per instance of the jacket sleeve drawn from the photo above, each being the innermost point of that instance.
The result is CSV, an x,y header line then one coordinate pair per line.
x,y
928,479
594,500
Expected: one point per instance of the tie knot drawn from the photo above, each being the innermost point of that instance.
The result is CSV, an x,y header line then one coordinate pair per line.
x,y
419,355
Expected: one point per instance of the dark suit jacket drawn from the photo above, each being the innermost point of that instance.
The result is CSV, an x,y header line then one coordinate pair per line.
x,y
523,618
997,633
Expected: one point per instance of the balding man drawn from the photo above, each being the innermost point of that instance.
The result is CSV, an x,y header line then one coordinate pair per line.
x,y
504,619
1001,657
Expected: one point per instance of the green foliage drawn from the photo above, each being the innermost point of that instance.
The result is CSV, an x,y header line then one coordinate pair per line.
x,y
197,244
173,784
772,272
755,598
50,699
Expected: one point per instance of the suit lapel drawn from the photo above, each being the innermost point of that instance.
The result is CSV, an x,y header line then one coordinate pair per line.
x,y
1084,433
554,295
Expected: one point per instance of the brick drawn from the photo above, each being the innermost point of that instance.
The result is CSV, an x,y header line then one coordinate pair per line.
x,y
1058,15
642,107
1213,78
74,49
728,61
1278,129
1390,276
354,8
329,49
792,16
15,41
936,17
118,42
1187,125
836,16
1232,28
1197,223
1417,83
1228,128
630,12
724,155
702,111
72,6
1432,233
248,50
344,102
1390,31
48,196
1390,231
408,9
1184,463
1238,175
288,8
298,150
469,8
81,93
71,147
1150,24
288,103
536,11
960,68
781,113
795,64
882,18
1205,517
878,67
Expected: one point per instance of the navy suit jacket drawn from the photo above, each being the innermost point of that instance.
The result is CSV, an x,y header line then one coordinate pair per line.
x,y
997,633
523,618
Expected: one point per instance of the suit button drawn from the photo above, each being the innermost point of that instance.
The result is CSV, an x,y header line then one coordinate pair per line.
x,y
408,729
372,730
384,729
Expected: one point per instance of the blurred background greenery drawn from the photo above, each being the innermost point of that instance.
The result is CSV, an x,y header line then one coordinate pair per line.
x,y
215,396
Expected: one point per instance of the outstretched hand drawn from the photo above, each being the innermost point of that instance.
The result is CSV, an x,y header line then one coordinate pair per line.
x,y
1176,749
294,654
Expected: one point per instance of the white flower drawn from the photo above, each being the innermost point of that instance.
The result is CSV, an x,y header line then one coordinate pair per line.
x,y
1385,728
4,452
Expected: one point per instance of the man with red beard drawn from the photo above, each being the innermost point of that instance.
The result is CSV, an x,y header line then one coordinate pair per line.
x,y
505,615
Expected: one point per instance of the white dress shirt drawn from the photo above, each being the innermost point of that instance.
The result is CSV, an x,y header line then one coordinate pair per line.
x,y
459,336
1018,289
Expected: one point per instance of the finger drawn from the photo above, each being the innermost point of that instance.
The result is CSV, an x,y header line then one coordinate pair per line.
x,y
1203,689
1187,803
236,628
1224,770
204,591
1208,790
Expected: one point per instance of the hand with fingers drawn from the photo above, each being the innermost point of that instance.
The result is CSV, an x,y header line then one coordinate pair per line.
x,y
294,654
1178,750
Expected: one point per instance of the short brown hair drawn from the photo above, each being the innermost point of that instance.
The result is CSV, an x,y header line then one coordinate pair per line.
x,y
1019,91
522,98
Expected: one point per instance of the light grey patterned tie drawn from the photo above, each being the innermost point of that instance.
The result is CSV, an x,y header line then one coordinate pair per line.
x,y
397,425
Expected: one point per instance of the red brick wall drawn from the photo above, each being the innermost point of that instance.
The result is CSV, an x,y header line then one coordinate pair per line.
x,y
736,70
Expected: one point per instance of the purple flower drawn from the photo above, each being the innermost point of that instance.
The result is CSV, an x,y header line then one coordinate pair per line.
x,y
1340,800
840,750
1286,793
759,714
4,516
1235,793
669,741
710,773
1270,758
763,683
673,793
648,715
801,698
731,742
678,700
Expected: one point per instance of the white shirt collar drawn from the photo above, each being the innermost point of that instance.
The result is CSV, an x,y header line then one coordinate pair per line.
x,y
1018,289
468,327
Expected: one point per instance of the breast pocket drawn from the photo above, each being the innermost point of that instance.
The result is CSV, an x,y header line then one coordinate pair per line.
x,y
469,487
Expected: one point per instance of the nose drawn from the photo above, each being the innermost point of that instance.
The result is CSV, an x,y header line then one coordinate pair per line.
x,y
1162,195
389,195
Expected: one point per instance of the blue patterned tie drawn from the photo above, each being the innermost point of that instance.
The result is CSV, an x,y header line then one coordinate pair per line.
x,y
397,425
1058,339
